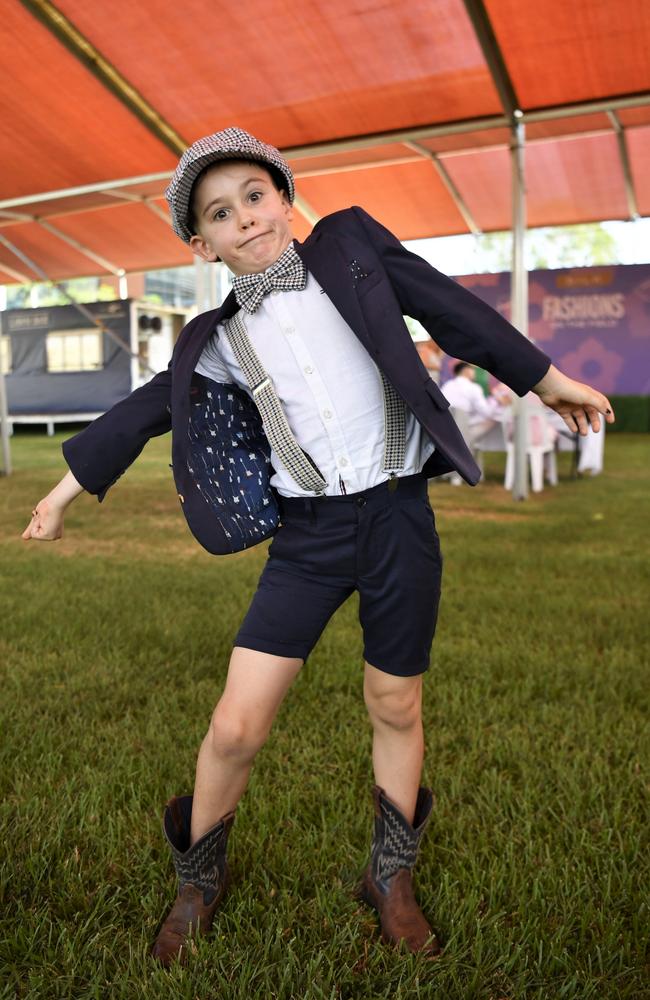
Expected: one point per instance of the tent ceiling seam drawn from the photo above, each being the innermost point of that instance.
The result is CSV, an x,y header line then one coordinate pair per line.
x,y
464,126
493,56
595,106
369,141
110,78
70,240
79,306
101,187
8,219
449,184
18,276
628,179
139,199
81,248
17,252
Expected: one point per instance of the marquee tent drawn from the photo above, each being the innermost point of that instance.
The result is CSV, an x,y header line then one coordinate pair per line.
x,y
406,107
418,110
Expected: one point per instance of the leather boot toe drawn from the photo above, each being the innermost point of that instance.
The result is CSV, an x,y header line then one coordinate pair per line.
x,y
189,917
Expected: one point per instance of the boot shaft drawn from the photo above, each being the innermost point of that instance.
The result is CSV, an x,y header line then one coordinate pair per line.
x,y
202,864
396,841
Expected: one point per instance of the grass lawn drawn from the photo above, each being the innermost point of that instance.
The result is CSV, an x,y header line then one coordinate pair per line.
x,y
114,645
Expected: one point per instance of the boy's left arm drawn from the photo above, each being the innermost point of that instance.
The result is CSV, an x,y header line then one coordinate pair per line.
x,y
467,328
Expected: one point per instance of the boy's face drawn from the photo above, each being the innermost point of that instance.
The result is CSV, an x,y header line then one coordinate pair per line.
x,y
241,217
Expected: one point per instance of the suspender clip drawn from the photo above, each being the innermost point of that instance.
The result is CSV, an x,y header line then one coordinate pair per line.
x,y
262,385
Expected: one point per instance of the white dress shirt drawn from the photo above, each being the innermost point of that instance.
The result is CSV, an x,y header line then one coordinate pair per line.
x,y
329,387
463,394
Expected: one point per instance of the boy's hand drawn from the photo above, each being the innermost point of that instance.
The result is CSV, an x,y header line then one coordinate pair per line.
x,y
47,517
46,524
579,405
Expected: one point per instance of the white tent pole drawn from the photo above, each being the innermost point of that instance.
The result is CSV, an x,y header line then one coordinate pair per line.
x,y
199,284
519,298
4,415
223,282
4,426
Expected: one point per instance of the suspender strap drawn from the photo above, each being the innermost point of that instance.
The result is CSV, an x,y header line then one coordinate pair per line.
x,y
296,461
395,428
276,426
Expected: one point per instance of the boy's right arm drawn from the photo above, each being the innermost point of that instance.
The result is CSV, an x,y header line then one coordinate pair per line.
x,y
46,524
101,453
98,455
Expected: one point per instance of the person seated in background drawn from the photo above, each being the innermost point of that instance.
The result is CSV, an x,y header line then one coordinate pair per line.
x,y
482,379
431,357
464,394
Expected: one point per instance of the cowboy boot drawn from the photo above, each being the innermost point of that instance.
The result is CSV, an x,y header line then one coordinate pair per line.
x,y
203,878
386,884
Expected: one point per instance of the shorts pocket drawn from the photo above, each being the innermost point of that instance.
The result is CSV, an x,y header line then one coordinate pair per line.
x,y
422,519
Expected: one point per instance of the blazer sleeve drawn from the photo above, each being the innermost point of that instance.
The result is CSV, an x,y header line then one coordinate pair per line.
x,y
98,455
461,323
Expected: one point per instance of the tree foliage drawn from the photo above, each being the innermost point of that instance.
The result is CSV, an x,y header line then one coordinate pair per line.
x,y
558,246
40,294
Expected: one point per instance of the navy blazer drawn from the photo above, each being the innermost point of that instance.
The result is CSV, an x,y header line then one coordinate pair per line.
x,y
373,281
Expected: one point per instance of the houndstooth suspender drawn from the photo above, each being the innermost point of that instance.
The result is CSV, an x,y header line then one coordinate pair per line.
x,y
395,428
276,426
297,463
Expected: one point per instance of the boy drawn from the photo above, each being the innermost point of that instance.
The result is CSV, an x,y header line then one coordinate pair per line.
x,y
314,335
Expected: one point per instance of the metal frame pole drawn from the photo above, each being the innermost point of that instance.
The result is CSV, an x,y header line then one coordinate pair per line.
x,y
4,412
199,284
79,306
519,297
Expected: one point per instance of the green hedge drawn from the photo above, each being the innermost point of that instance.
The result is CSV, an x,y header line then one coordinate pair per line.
x,y
632,413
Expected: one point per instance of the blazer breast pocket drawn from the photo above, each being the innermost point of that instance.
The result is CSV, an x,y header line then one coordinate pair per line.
x,y
367,284
364,278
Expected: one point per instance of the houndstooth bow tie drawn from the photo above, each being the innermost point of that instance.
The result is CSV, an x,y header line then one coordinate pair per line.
x,y
287,274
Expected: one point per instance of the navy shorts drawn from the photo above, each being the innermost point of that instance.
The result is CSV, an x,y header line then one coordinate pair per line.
x,y
382,543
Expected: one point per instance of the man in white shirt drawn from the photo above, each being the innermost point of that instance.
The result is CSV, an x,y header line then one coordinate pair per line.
x,y
465,395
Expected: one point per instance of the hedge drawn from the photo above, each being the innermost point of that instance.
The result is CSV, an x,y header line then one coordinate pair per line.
x,y
632,414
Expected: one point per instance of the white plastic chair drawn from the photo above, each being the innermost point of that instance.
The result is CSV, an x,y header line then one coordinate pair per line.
x,y
592,448
461,418
540,450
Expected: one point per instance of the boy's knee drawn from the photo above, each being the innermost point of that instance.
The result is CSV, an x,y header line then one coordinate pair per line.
x,y
396,708
232,735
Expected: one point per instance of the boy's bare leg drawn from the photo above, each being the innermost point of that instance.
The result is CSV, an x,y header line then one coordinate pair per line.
x,y
395,708
255,687
241,722
402,809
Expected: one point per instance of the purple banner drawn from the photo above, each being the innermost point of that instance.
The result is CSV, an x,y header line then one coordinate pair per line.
x,y
594,322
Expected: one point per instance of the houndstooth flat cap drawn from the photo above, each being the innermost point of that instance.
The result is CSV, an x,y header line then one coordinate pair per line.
x,y
230,144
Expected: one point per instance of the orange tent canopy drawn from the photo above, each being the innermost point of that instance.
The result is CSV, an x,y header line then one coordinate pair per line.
x,y
405,108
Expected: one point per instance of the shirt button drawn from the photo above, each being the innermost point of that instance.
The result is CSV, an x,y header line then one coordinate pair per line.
x,y
275,291
309,370
289,329
327,414
343,462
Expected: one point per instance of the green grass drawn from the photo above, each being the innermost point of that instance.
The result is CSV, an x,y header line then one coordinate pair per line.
x,y
114,645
